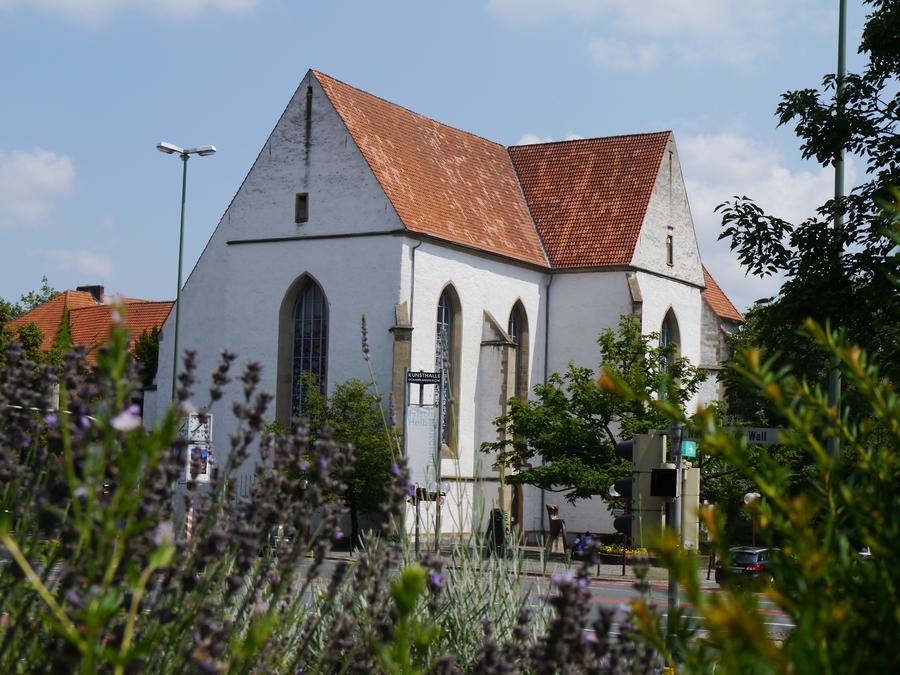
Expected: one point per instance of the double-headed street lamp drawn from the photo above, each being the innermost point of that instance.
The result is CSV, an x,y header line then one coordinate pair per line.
x,y
203,151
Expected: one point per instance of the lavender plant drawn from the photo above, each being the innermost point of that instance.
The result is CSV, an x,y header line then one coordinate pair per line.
x,y
120,590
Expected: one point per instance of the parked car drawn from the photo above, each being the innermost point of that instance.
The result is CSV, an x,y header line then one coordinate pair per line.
x,y
747,566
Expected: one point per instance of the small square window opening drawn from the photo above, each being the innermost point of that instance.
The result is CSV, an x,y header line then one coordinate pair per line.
x,y
301,208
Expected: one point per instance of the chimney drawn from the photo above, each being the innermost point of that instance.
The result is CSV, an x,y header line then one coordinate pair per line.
x,y
96,291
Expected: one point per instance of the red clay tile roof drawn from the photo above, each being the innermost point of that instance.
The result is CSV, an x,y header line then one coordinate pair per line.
x,y
90,321
717,299
49,315
91,325
589,196
442,181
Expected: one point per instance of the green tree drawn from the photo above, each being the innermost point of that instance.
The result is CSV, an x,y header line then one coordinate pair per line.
x,y
843,606
146,353
30,300
837,274
355,414
564,439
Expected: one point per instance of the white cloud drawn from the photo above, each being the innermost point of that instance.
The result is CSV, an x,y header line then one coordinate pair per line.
x,y
637,35
87,262
30,181
719,167
620,55
94,11
531,139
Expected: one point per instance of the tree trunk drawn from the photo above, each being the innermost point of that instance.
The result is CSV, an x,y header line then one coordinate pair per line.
x,y
354,525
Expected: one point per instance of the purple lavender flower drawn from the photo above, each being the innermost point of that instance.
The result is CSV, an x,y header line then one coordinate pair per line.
x,y
50,419
365,338
436,578
392,409
127,420
395,469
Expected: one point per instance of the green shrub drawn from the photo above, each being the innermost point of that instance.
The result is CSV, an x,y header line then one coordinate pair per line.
x,y
844,608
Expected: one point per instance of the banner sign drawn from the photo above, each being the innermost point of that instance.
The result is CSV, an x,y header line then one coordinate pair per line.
x,y
423,377
421,442
199,455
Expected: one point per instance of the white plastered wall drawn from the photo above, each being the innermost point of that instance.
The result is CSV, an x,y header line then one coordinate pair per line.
x,y
232,298
481,283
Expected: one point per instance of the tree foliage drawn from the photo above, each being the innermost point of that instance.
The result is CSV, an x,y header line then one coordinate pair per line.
x,y
837,274
28,301
146,353
843,606
563,440
354,413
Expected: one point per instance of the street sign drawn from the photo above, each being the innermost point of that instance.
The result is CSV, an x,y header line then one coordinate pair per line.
x,y
756,435
689,448
197,430
422,377
618,512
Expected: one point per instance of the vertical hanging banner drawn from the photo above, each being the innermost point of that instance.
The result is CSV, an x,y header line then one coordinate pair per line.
x,y
197,430
421,442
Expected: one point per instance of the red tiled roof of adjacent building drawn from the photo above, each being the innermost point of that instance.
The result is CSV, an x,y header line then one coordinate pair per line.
x,y
91,325
49,315
442,182
589,196
717,299
90,320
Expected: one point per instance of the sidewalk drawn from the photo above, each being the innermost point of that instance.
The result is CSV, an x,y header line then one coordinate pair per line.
x,y
532,564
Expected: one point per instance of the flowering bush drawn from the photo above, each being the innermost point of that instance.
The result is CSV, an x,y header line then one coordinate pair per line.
x,y
121,591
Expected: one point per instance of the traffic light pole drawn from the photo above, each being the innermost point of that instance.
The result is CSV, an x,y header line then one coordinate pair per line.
x,y
675,431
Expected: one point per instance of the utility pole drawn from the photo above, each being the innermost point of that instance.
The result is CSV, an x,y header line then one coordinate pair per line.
x,y
833,443
675,431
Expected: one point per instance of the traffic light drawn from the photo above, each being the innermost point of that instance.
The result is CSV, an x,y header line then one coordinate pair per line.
x,y
663,483
646,452
623,524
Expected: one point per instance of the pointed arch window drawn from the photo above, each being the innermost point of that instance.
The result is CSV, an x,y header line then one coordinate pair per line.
x,y
668,333
518,333
447,355
310,344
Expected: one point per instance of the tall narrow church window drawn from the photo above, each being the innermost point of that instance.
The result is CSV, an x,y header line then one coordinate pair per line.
x,y
670,254
518,333
447,359
668,333
310,345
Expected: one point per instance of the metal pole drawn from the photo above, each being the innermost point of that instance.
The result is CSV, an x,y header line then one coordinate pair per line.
x,y
675,430
184,159
438,451
833,443
418,500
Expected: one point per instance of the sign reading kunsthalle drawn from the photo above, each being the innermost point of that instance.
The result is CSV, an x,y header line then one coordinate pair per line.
x,y
422,377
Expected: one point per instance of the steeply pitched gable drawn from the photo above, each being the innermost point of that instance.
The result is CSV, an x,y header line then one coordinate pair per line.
x,y
717,299
589,196
441,181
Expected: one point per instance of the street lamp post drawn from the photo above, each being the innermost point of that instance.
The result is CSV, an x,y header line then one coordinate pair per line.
x,y
203,151
749,498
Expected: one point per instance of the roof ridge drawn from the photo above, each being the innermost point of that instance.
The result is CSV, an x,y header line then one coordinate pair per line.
x,y
593,138
713,288
319,74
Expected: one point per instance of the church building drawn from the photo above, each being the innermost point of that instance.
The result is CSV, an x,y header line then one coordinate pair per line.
x,y
506,261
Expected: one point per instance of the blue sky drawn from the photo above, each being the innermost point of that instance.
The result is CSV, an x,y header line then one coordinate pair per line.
x,y
88,87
